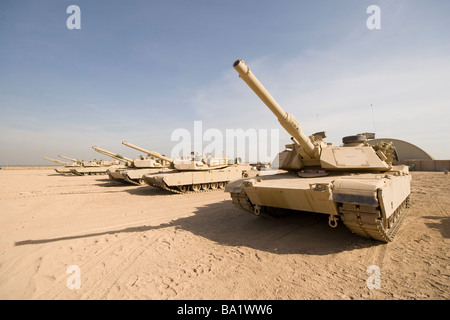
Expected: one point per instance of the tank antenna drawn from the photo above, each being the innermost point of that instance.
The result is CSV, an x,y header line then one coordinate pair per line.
x,y
317,122
373,119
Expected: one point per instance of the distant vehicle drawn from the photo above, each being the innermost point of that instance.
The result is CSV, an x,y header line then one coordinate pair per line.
x,y
194,173
92,167
67,166
134,169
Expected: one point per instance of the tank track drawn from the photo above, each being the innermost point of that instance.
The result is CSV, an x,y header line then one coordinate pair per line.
x,y
361,220
241,201
88,173
367,221
131,181
115,180
173,190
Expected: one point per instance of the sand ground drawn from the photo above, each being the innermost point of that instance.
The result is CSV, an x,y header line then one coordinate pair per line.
x,y
132,242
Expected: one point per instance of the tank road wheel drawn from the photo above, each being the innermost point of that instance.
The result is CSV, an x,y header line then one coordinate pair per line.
x,y
205,186
141,181
183,189
222,185
214,185
195,187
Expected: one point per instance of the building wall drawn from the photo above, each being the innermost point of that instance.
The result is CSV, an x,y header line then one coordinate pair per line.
x,y
427,165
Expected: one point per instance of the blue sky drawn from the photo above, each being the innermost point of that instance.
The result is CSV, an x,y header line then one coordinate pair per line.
x,y
138,70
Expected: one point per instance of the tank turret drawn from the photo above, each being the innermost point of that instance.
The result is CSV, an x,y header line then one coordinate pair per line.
x,y
191,174
312,151
116,156
192,163
150,153
71,159
141,162
135,168
67,166
94,163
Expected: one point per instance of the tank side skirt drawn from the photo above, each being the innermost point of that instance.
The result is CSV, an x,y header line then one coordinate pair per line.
x,y
367,221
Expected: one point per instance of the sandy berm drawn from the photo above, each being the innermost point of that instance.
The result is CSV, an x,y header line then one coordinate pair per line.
x,y
139,242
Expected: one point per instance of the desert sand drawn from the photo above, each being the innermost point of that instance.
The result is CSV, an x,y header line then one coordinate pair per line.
x,y
139,242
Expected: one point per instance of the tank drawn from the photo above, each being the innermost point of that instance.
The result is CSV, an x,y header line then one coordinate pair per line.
x,y
67,166
134,168
193,173
355,183
260,166
94,167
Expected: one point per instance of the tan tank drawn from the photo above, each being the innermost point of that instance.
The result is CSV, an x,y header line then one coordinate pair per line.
x,y
194,173
97,166
134,168
356,183
67,166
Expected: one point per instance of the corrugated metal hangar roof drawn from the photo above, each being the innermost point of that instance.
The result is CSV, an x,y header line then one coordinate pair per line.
x,y
405,150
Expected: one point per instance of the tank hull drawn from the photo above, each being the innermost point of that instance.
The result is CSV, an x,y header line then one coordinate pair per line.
x,y
64,171
376,196
136,176
138,173
115,175
133,176
195,181
82,171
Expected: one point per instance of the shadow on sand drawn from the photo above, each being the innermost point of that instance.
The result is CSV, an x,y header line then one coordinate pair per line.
x,y
305,232
441,224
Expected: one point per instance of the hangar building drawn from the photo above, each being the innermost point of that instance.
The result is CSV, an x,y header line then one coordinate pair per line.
x,y
415,157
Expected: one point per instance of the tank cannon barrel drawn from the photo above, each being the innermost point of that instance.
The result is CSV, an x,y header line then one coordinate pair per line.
x,y
64,157
55,160
113,155
287,121
150,153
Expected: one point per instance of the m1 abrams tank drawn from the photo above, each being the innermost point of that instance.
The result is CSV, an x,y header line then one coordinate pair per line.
x,y
134,169
356,183
193,174
67,166
92,167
